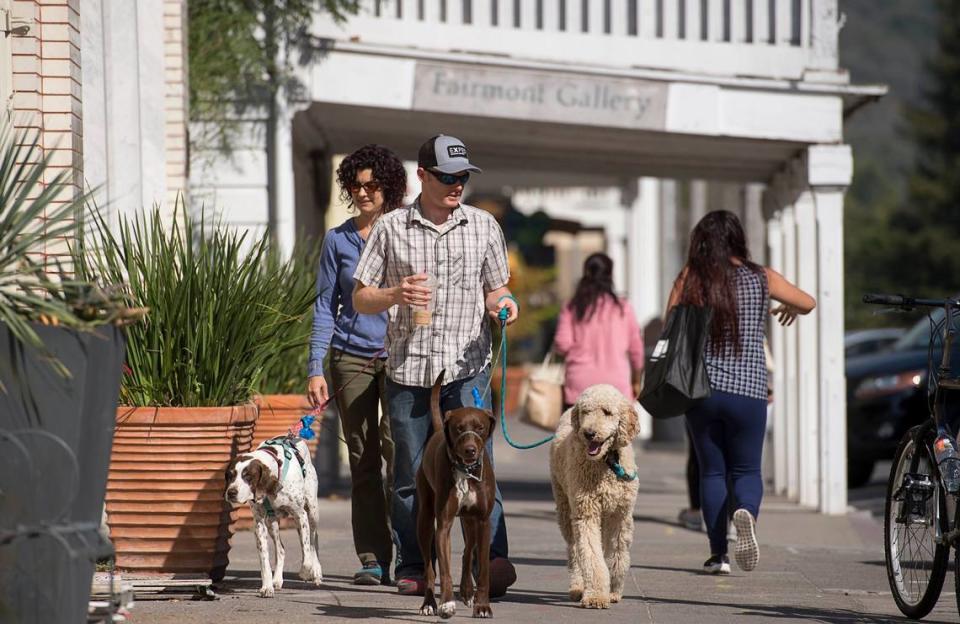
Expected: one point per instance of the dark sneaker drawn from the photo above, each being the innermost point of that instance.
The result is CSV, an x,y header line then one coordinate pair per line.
x,y
371,574
691,519
717,564
502,576
747,552
411,585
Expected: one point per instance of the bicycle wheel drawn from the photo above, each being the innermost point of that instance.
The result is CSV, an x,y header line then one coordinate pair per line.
x,y
916,563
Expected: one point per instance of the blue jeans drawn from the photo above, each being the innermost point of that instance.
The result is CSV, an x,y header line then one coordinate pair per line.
x,y
411,427
727,431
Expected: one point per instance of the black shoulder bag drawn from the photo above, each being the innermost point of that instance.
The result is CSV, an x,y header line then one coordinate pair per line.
x,y
676,375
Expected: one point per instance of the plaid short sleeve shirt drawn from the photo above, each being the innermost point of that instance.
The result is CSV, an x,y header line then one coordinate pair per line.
x,y
468,256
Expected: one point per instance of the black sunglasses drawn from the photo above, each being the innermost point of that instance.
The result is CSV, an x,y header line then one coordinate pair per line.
x,y
450,179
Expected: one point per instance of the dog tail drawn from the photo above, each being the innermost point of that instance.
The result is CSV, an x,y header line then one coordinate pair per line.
x,y
435,414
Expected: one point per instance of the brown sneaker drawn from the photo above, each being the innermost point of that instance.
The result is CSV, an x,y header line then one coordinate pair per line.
x,y
502,576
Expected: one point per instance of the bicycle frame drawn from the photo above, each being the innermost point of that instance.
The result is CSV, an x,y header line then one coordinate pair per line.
x,y
937,423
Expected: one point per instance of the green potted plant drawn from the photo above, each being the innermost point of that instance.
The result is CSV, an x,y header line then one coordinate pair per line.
x,y
216,317
281,394
59,379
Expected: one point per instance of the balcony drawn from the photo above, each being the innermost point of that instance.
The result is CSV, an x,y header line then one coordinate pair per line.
x,y
793,40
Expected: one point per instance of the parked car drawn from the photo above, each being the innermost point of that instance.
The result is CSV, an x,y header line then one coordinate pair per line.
x,y
886,395
866,341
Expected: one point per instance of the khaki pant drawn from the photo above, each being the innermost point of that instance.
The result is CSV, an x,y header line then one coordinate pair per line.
x,y
370,445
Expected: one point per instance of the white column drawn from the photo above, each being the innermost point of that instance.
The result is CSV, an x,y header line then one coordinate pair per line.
x,y
791,387
808,398
644,271
286,209
777,348
830,169
671,258
643,275
698,201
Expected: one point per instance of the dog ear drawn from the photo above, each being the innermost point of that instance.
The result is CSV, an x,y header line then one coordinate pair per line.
x,y
446,428
575,416
261,481
629,424
493,422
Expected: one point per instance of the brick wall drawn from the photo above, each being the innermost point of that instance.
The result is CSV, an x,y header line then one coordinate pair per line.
x,y
46,85
176,95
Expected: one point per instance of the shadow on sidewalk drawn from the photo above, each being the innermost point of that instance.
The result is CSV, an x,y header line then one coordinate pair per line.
x,y
834,616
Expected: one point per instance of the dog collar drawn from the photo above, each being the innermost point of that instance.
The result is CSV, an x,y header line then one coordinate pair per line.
x,y
467,469
613,462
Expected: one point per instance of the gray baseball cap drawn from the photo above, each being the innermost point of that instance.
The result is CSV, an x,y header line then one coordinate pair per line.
x,y
445,154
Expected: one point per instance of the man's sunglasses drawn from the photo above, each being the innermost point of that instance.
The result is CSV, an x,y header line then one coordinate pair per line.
x,y
450,179
370,187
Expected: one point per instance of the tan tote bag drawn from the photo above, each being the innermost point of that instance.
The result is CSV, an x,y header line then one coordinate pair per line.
x,y
543,396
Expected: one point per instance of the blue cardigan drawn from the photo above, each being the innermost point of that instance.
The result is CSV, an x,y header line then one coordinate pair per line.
x,y
334,319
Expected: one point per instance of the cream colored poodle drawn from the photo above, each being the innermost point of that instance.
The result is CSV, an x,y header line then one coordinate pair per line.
x,y
593,471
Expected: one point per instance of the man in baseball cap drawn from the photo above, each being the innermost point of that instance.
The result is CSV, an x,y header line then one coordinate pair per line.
x,y
445,154
462,249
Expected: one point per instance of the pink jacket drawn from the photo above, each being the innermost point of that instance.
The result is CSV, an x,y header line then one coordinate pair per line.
x,y
600,349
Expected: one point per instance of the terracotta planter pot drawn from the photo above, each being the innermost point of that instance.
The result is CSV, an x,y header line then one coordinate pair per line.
x,y
515,377
278,412
165,504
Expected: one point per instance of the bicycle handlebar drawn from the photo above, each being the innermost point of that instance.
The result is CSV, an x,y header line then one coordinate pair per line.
x,y
900,301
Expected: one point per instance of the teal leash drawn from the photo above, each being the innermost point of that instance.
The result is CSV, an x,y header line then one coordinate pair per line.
x,y
503,388
613,461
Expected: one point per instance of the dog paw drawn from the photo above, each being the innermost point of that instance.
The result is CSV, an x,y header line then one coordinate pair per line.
x,y
615,597
266,591
428,609
576,593
466,599
595,601
482,611
448,609
278,581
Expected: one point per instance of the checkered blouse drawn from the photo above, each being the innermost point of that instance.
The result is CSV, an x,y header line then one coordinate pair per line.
x,y
468,256
744,374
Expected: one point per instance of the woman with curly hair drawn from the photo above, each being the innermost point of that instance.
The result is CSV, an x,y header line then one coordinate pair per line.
x,y
373,181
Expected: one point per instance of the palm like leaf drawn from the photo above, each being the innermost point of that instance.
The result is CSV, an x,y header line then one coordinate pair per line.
x,y
34,216
220,312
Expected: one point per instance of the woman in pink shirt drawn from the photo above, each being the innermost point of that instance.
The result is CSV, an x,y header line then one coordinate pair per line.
x,y
598,335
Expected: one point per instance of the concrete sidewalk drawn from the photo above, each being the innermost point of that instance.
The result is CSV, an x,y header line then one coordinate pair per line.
x,y
812,568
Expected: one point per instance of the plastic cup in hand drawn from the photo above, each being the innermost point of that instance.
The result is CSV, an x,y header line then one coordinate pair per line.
x,y
422,315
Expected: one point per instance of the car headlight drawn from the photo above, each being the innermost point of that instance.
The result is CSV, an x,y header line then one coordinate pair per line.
x,y
883,385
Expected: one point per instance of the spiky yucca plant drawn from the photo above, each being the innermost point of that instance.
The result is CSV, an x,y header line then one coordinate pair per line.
x,y
34,216
217,316
287,372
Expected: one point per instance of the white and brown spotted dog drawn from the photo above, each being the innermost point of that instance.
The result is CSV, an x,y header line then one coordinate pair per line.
x,y
279,480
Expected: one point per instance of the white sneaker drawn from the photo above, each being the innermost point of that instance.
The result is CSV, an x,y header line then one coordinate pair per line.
x,y
731,532
747,551
717,564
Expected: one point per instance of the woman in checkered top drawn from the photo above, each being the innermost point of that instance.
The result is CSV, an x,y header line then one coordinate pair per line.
x,y
728,428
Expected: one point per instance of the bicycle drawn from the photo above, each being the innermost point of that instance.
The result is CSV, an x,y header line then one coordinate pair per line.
x,y
921,519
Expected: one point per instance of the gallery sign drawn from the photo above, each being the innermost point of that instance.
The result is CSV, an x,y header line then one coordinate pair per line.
x,y
539,96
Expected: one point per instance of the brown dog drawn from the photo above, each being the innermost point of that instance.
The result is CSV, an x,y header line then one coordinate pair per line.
x,y
456,479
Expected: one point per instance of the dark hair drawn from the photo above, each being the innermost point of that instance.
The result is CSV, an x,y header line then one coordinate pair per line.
x,y
596,283
710,277
387,169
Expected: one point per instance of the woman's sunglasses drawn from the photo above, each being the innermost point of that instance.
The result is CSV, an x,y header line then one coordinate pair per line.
x,y
450,179
370,187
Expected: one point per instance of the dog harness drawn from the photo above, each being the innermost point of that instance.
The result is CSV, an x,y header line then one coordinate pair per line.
x,y
288,445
